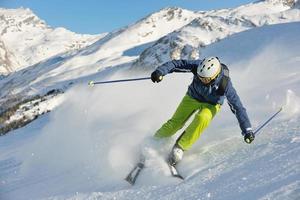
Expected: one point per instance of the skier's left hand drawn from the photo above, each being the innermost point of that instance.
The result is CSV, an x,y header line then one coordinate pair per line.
x,y
249,136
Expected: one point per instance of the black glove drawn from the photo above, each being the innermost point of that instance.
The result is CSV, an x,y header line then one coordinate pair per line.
x,y
194,70
249,136
156,76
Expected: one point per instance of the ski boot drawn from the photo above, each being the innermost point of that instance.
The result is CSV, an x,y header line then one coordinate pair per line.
x,y
175,156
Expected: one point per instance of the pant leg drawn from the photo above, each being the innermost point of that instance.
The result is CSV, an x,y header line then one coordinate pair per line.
x,y
198,125
185,109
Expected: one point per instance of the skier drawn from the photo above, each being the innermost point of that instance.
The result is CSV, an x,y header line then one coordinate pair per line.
x,y
205,95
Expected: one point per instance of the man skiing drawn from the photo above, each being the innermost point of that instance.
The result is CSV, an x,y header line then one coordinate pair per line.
x,y
205,95
210,86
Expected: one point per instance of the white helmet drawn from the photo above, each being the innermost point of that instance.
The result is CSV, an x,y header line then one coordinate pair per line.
x,y
209,69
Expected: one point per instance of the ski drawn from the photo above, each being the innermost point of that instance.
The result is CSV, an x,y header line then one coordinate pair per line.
x,y
174,171
134,173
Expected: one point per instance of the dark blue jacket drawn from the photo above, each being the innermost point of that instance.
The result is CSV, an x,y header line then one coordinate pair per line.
x,y
208,93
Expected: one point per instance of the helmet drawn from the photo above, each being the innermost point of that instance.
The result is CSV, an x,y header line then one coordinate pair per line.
x,y
209,69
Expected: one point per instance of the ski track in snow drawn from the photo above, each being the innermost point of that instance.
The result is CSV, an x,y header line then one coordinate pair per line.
x,y
85,148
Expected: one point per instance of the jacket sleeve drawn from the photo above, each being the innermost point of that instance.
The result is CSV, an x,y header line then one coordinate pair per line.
x,y
178,66
237,108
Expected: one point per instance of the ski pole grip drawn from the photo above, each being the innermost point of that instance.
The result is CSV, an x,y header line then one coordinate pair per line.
x,y
91,83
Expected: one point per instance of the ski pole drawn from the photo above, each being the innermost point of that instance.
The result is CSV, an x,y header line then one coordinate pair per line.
x,y
92,83
266,122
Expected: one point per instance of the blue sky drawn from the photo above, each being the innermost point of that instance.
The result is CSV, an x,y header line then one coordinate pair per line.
x,y
98,16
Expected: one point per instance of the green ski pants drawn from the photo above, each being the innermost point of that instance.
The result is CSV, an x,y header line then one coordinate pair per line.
x,y
189,105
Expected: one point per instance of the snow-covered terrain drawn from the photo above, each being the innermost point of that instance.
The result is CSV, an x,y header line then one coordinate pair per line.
x,y
26,40
84,148
211,26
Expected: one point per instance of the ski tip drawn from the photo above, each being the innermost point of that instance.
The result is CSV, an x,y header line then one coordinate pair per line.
x,y
174,172
179,176
128,180
91,83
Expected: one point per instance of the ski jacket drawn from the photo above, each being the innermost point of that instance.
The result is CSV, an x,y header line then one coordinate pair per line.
x,y
209,93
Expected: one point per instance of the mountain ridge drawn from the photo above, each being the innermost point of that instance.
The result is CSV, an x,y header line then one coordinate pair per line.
x,y
31,40
212,27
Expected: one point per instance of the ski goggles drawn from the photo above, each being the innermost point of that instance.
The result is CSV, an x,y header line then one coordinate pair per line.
x,y
208,80
205,80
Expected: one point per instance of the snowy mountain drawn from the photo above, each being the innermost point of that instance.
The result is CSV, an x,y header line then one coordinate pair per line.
x,y
86,146
289,3
159,37
27,40
212,26
147,30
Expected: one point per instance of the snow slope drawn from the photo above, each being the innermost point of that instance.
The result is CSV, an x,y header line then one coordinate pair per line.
x,y
84,148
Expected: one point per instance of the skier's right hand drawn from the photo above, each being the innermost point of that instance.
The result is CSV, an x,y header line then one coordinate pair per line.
x,y
249,137
156,76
